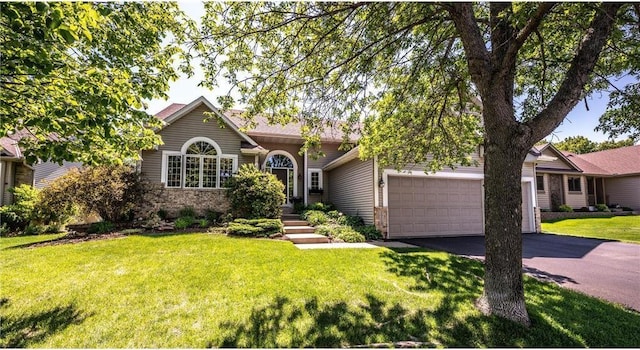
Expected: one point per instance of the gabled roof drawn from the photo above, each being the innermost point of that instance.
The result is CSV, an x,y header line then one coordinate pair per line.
x,y
262,127
176,111
563,157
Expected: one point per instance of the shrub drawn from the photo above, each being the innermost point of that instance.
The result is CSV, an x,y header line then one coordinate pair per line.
x,y
349,220
565,208
183,222
254,194
267,226
203,223
325,207
19,214
163,214
315,217
34,229
326,230
212,215
603,207
111,191
298,207
101,227
246,230
187,211
349,235
334,214
370,232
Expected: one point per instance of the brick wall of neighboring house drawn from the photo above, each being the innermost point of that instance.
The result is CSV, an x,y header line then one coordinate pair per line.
x,y
174,199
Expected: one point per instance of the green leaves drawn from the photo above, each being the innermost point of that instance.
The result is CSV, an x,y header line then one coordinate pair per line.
x,y
74,76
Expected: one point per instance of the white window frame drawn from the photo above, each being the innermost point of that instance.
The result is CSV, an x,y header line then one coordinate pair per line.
x,y
183,154
320,182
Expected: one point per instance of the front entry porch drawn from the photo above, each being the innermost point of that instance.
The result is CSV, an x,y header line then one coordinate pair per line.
x,y
596,191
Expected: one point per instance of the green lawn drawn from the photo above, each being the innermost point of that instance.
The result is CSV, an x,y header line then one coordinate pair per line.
x,y
619,228
200,290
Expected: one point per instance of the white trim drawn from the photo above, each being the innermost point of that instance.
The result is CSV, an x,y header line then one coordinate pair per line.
x,y
163,167
306,178
532,202
191,141
376,189
351,155
295,169
202,100
320,180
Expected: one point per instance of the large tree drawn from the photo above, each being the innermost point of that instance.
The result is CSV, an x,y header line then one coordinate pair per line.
x,y
74,76
431,80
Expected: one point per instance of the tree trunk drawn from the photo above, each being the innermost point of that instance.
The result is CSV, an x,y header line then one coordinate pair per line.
x,y
503,286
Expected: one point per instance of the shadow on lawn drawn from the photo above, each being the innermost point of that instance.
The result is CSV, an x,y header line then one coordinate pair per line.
x,y
25,330
560,318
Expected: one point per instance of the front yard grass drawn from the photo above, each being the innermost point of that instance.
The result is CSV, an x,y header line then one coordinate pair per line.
x,y
618,228
204,290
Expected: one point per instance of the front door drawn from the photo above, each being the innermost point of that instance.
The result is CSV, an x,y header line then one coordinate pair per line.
x,y
283,168
555,188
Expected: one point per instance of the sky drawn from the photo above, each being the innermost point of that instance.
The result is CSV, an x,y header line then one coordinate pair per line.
x,y
580,121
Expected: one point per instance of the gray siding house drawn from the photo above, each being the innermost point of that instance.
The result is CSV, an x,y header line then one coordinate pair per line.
x,y
197,157
610,177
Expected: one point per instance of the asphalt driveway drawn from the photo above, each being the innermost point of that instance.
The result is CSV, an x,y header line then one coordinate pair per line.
x,y
606,269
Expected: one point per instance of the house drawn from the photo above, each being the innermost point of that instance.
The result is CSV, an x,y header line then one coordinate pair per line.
x,y
197,157
14,170
609,177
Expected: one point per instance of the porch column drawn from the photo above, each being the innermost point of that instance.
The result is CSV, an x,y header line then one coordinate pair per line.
x,y
305,179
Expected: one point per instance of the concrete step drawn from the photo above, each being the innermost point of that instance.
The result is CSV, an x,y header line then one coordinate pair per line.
x,y
295,223
290,217
299,229
306,238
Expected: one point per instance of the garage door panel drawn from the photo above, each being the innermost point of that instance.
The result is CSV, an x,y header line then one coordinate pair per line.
x,y
422,207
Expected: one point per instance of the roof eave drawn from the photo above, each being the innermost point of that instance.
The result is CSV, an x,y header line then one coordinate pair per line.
x,y
347,157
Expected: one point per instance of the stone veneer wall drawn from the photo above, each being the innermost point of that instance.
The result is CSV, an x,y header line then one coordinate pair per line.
x,y
174,199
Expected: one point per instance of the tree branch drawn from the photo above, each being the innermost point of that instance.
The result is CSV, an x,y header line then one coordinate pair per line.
x,y
532,25
582,66
475,49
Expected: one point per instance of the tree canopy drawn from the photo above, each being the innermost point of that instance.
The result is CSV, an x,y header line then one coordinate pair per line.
x,y
74,76
581,144
429,82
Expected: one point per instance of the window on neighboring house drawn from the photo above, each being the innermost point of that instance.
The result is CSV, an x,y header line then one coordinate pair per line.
x,y
199,164
574,184
315,179
540,183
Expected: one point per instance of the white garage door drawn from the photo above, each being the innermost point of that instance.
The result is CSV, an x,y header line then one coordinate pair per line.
x,y
422,207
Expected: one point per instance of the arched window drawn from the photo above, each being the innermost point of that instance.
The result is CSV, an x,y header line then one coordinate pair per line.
x,y
199,164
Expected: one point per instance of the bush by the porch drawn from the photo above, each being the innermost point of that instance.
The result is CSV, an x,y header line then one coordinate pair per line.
x,y
254,194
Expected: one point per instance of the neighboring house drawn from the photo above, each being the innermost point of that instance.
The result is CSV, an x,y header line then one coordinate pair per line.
x,y
197,157
14,171
609,177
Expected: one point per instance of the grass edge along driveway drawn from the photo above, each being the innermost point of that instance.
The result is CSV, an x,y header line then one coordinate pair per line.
x,y
618,228
199,290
